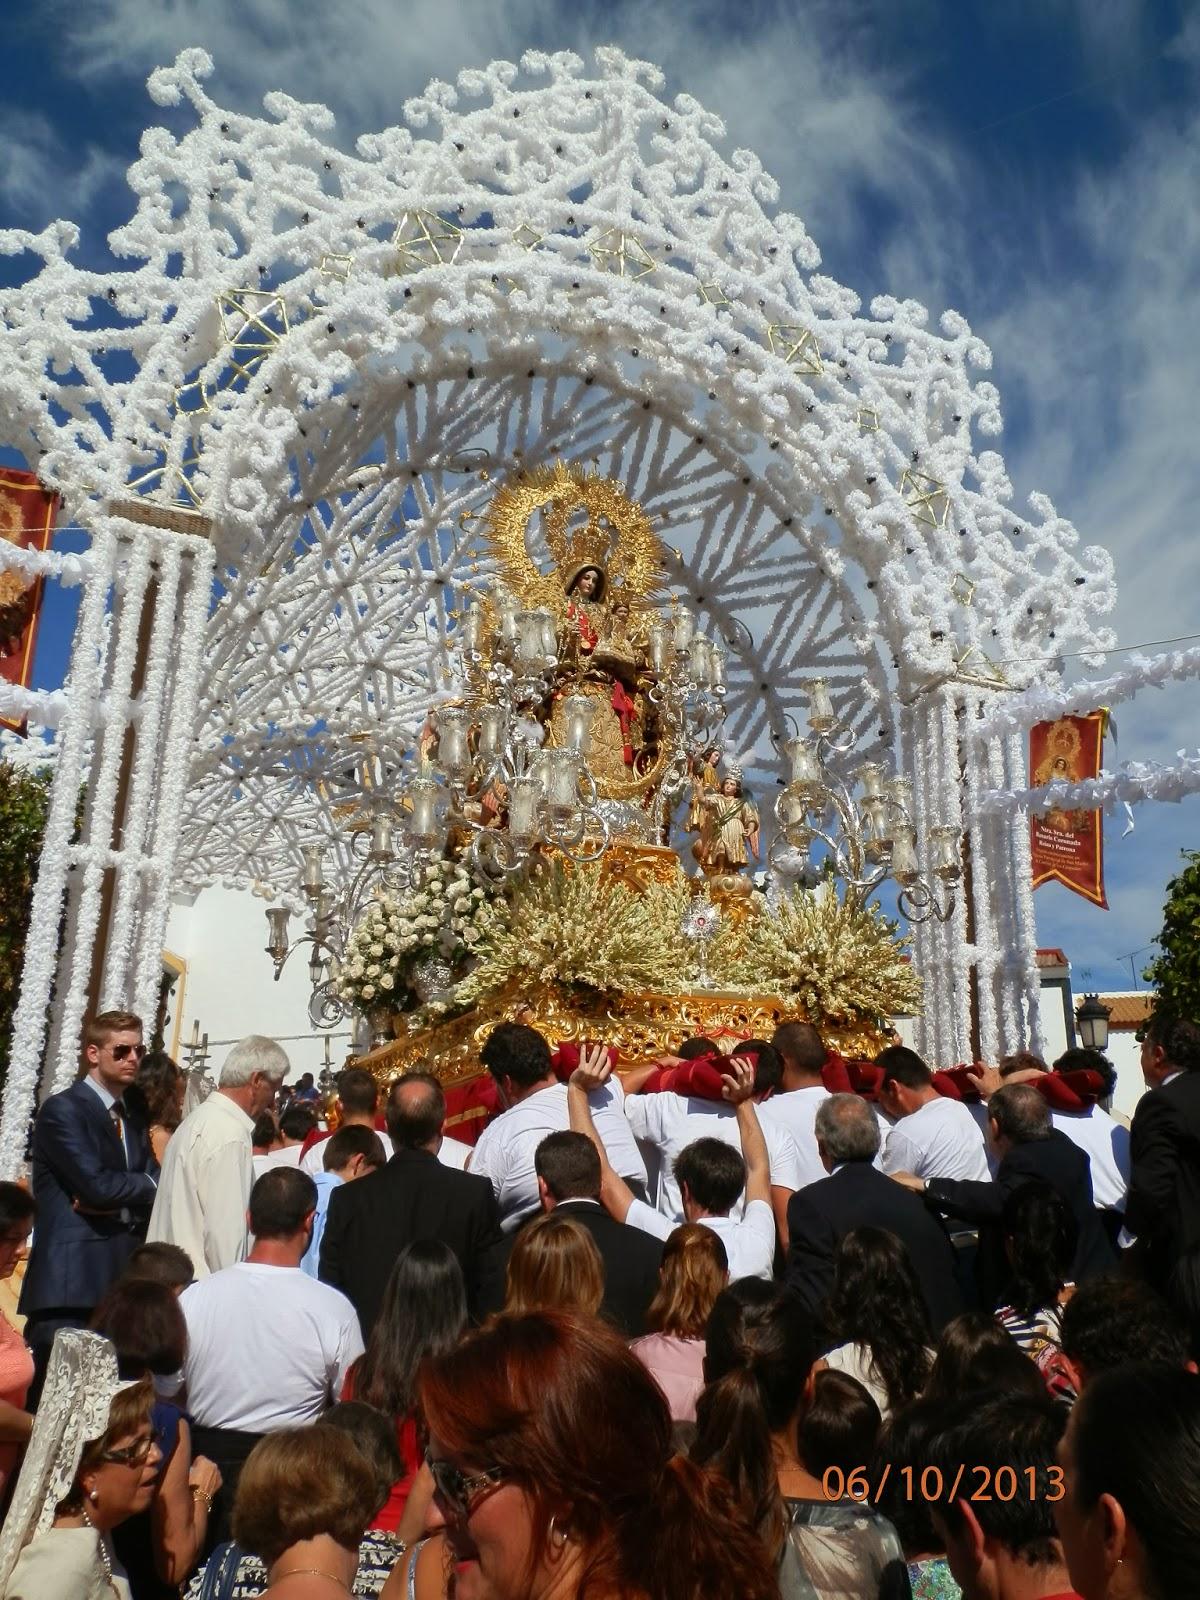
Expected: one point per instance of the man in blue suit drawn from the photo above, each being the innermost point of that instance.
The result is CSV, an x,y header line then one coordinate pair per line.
x,y
94,1180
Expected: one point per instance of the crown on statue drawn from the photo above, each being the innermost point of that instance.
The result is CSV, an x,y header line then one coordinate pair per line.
x,y
735,773
588,547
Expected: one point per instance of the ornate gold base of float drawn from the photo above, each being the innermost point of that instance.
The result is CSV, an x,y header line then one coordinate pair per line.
x,y
642,1026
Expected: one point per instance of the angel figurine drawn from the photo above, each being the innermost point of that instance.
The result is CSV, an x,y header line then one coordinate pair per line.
x,y
731,825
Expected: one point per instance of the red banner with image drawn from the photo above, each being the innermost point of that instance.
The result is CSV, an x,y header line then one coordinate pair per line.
x,y
27,514
1068,846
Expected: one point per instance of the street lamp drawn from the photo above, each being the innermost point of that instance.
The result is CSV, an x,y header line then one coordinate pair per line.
x,y
1092,1018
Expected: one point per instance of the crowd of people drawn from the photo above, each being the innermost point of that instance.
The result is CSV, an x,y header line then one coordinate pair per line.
x,y
748,1321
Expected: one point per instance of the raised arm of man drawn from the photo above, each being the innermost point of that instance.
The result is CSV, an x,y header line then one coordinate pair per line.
x,y
593,1072
737,1085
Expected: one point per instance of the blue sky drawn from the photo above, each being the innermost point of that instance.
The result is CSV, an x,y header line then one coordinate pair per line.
x,y
1031,163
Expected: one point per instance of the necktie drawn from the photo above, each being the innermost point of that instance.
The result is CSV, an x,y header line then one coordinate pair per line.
x,y
118,1115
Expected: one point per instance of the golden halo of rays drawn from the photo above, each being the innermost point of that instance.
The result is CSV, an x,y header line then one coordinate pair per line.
x,y
627,549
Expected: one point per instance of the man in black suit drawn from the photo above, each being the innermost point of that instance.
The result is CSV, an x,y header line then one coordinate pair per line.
x,y
568,1177
413,1197
1162,1207
856,1195
1030,1150
94,1180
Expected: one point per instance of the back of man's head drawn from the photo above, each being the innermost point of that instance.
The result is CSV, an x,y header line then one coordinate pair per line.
x,y
254,1054
298,1121
515,1052
1079,1059
768,1064
280,1201
352,1141
358,1091
1020,1114
714,1173
416,1109
1110,1322
998,1443
1020,1061
904,1066
569,1165
161,1262
802,1048
695,1047
1178,1038
847,1129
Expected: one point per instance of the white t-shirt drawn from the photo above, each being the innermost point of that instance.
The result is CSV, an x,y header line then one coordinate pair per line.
x,y
1106,1143
454,1153
268,1347
313,1161
671,1122
795,1111
749,1240
940,1139
288,1156
507,1145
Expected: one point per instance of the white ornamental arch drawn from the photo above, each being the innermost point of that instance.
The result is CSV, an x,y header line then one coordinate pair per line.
x,y
281,421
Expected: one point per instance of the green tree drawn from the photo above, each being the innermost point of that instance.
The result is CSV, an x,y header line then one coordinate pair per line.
x,y
1175,973
24,800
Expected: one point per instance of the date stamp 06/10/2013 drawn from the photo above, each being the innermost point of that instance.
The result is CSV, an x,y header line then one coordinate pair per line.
x,y
932,1485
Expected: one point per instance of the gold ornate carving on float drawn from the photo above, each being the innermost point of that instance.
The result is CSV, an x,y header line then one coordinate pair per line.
x,y
642,1026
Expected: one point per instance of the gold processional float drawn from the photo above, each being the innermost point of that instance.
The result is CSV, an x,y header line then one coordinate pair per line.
x,y
582,735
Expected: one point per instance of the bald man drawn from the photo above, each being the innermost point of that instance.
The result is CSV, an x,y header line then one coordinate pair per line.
x,y
415,1196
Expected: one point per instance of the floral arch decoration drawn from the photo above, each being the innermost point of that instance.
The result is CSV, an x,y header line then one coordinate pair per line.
x,y
283,422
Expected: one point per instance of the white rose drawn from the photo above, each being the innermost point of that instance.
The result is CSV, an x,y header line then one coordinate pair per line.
x,y
356,969
476,894
376,949
368,992
387,981
374,970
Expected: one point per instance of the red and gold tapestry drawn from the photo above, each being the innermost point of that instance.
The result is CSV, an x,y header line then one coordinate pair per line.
x,y
1068,846
26,519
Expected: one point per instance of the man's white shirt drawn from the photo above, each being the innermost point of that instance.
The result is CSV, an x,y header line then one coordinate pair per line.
x,y
1106,1144
749,1240
507,1145
454,1153
795,1111
204,1188
287,1156
268,1347
940,1139
671,1122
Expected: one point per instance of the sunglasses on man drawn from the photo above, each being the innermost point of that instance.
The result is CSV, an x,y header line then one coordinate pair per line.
x,y
122,1052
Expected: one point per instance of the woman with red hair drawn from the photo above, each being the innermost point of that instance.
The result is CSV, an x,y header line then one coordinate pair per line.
x,y
550,1448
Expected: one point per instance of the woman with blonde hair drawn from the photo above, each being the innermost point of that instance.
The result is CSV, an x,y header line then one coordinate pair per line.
x,y
554,1266
694,1271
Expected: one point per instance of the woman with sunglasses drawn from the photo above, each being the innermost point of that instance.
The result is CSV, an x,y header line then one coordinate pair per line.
x,y
553,1468
92,1462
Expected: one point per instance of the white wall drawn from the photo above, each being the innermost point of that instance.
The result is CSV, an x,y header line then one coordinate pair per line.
x,y
229,986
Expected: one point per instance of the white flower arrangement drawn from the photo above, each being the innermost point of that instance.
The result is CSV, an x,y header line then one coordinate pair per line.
x,y
435,918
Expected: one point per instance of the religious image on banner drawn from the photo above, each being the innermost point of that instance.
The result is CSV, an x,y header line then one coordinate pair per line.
x,y
1068,846
27,520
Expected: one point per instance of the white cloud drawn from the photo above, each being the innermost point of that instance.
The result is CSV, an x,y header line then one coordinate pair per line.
x,y
41,177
